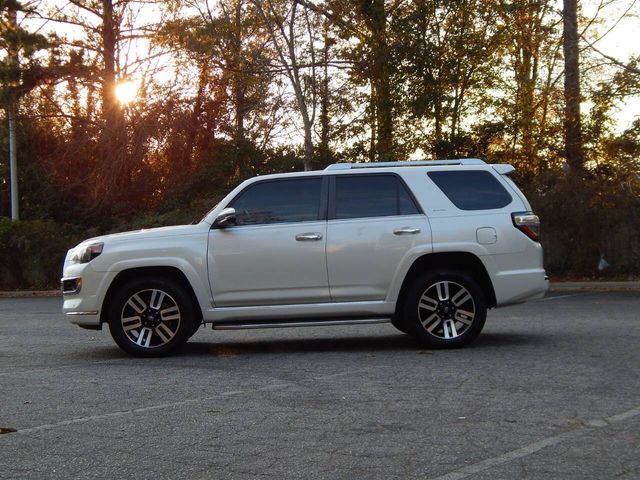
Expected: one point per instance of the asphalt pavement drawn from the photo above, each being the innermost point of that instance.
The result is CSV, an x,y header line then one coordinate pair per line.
x,y
551,390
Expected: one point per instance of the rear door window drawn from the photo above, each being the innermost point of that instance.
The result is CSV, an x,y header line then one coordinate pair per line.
x,y
358,196
472,189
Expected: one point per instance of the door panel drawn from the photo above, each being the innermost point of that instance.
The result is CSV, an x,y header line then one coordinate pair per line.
x,y
363,254
267,265
275,254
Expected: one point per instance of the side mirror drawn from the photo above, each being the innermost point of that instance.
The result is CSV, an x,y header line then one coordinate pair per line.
x,y
225,218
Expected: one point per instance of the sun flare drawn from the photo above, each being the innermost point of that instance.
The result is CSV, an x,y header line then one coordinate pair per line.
x,y
126,92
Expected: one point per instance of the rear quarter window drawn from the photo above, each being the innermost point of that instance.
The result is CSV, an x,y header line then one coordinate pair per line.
x,y
472,189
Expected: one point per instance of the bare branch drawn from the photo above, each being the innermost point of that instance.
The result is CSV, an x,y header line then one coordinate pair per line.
x,y
618,63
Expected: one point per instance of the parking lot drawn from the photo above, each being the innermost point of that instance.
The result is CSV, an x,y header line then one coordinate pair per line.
x,y
550,390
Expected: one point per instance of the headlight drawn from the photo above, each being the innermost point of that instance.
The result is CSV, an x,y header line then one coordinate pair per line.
x,y
86,254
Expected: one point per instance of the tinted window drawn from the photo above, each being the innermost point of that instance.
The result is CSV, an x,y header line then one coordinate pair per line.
x,y
279,201
372,196
472,190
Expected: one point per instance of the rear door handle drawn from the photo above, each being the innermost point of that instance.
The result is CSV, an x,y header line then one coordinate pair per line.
x,y
308,237
406,231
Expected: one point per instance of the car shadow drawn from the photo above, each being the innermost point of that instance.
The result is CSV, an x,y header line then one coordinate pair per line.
x,y
368,344
355,344
508,339
303,345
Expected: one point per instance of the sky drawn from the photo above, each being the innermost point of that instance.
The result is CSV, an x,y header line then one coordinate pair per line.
x,y
620,42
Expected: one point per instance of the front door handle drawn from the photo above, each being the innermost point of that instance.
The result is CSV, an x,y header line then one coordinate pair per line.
x,y
308,237
406,231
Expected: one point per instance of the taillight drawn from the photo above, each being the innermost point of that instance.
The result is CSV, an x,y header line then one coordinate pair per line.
x,y
527,223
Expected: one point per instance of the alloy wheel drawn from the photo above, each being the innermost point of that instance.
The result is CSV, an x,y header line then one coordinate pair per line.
x,y
446,310
150,318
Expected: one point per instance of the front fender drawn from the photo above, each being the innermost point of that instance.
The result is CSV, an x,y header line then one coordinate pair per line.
x,y
193,276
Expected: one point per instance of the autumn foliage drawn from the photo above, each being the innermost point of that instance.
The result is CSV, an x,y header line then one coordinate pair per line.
x,y
234,88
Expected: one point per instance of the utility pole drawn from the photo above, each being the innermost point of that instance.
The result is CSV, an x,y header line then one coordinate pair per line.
x,y
11,114
13,161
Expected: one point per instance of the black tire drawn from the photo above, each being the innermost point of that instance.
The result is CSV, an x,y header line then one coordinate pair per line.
x,y
399,323
445,308
157,309
196,326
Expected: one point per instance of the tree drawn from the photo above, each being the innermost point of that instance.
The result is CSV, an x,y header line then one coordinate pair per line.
x,y
375,14
19,73
532,44
236,96
364,25
293,38
99,38
573,139
447,54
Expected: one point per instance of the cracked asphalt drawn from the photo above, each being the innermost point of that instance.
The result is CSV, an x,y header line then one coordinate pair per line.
x,y
550,390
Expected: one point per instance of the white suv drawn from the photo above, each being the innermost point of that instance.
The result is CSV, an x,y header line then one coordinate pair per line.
x,y
428,246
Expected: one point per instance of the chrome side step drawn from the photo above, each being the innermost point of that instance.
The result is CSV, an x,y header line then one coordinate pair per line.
x,y
301,323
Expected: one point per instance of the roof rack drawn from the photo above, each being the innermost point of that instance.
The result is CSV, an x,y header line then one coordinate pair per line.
x,y
411,163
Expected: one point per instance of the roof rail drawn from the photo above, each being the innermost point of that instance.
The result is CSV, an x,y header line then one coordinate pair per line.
x,y
411,163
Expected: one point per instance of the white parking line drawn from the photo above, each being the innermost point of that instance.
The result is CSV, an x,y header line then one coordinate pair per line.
x,y
49,426
534,447
559,296
162,406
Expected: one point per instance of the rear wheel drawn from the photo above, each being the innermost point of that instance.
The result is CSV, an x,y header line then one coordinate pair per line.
x,y
151,316
445,309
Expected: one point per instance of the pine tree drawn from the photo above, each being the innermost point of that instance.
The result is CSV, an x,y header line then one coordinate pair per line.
x,y
19,73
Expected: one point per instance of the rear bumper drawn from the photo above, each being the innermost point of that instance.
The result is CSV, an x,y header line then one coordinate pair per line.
x,y
516,286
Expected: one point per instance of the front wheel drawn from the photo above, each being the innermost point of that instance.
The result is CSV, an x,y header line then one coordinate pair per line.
x,y
151,317
400,324
445,309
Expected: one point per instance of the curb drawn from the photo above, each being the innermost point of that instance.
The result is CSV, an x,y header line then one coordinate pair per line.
x,y
30,294
595,286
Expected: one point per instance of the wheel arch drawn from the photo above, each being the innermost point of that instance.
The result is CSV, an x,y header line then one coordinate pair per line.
x,y
461,261
171,273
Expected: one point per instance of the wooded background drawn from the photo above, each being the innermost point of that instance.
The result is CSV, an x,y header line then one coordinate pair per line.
x,y
228,89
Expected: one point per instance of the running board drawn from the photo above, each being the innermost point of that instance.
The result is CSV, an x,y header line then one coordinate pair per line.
x,y
302,323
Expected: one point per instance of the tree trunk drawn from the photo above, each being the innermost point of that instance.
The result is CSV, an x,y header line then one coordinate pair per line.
x,y
436,147
373,125
307,121
526,76
289,60
114,159
109,101
323,148
195,119
573,140
239,103
381,81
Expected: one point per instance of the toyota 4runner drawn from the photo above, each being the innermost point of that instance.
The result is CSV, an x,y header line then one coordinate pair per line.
x,y
428,246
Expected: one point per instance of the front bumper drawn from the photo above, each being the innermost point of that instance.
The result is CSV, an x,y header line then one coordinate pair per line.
x,y
89,320
71,285
83,291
